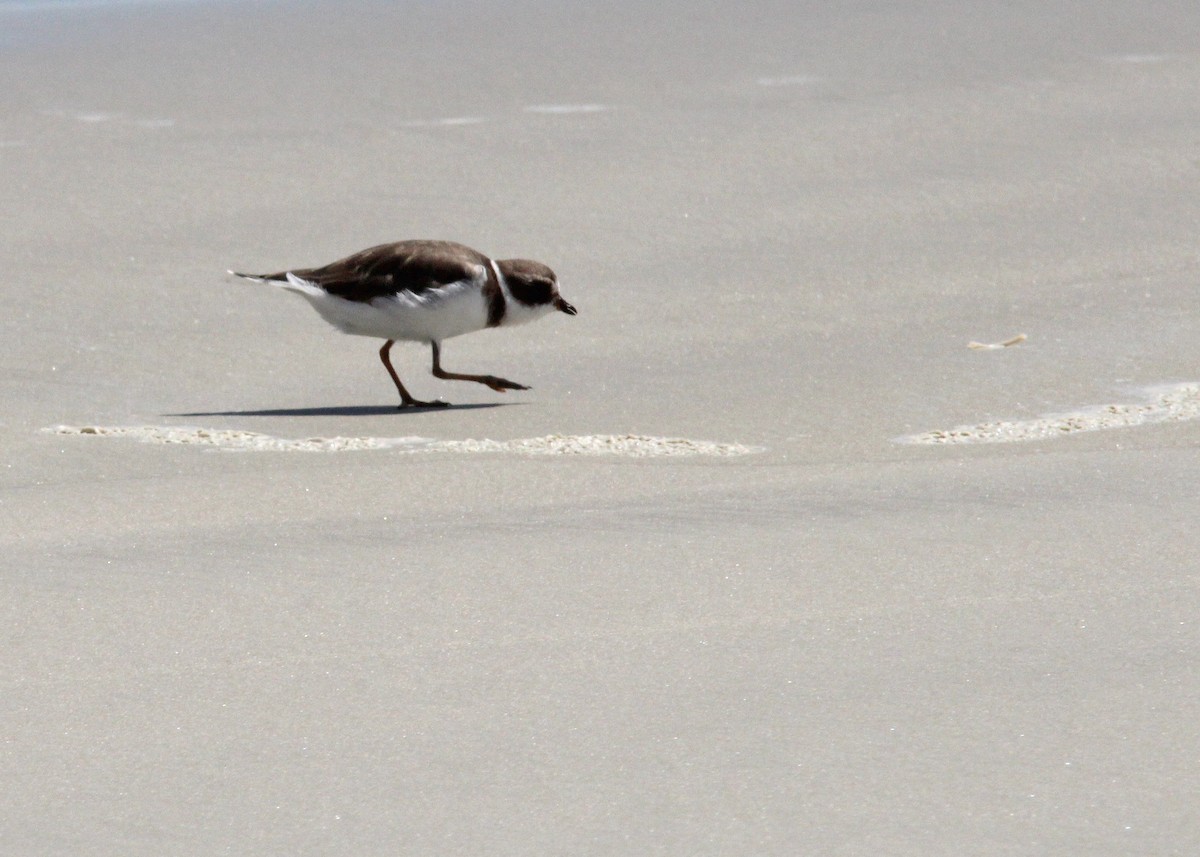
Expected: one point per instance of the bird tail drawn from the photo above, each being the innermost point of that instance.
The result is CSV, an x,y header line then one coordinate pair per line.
x,y
256,278
285,280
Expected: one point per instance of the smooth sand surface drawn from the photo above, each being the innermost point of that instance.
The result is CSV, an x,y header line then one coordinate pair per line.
x,y
782,225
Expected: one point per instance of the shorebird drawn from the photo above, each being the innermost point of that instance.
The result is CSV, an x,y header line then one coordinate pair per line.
x,y
424,291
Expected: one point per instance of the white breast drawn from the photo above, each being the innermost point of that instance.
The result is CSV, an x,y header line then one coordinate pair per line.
x,y
433,315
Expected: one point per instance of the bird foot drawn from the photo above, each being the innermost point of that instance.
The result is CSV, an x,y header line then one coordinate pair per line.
x,y
414,403
502,384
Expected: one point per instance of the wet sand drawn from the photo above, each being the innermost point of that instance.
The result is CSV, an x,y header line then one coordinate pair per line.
x,y
249,610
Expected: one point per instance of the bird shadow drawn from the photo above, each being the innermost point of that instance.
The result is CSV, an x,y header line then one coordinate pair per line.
x,y
342,411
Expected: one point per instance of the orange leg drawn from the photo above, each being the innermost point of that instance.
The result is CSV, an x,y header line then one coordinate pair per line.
x,y
497,384
406,400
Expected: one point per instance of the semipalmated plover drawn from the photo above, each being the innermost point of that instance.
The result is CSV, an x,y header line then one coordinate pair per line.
x,y
425,291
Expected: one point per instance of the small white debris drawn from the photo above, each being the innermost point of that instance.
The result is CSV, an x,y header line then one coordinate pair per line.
x,y
988,346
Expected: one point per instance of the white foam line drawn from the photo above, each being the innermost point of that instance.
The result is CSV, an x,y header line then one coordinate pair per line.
x,y
232,439
448,122
68,5
1140,59
604,444
97,116
562,109
1171,403
789,80
243,440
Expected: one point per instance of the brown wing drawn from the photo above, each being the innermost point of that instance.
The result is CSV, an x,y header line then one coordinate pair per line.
x,y
413,266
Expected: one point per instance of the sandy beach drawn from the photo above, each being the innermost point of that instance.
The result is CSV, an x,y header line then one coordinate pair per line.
x,y
769,561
